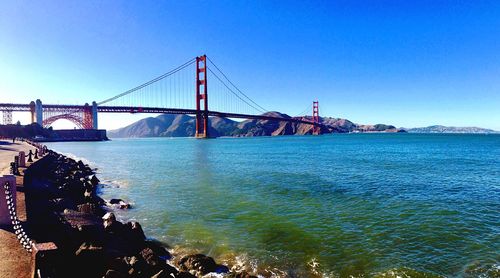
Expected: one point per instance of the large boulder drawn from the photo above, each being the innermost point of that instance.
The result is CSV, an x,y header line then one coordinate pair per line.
x,y
198,263
94,180
167,272
134,235
159,249
89,208
111,225
119,203
137,264
154,263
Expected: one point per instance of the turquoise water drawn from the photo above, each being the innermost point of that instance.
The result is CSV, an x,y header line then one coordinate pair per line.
x,y
312,206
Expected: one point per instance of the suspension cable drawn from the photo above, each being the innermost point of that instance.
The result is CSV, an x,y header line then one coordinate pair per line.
x,y
225,85
303,113
262,109
186,64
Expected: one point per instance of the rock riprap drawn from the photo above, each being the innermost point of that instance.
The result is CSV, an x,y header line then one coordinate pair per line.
x,y
63,207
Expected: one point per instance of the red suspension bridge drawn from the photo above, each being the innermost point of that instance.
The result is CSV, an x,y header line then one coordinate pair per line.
x,y
170,93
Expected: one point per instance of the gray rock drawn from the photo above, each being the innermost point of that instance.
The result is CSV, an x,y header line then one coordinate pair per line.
x,y
119,203
153,262
87,208
199,263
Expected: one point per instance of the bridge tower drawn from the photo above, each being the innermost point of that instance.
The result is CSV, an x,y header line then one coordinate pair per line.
x,y
316,128
201,98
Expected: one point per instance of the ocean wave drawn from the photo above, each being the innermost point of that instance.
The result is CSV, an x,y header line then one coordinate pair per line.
x,y
239,263
314,269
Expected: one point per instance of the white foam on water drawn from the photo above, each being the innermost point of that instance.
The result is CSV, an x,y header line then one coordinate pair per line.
x,y
213,275
76,158
243,263
116,183
314,266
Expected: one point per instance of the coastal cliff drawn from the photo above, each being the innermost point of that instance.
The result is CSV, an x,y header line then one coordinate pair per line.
x,y
168,125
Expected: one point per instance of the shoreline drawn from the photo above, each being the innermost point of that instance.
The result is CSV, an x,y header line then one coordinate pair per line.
x,y
86,231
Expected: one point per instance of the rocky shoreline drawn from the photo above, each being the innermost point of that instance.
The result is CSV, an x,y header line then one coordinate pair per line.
x,y
63,207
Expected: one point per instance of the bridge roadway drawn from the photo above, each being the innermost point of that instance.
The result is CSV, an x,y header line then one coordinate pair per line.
x,y
155,110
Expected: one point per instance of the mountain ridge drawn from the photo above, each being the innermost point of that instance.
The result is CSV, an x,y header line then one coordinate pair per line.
x,y
171,125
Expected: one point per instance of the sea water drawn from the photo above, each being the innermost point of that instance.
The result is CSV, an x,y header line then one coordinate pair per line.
x,y
314,206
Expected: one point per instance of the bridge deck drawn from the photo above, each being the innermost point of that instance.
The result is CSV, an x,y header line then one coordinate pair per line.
x,y
153,110
159,110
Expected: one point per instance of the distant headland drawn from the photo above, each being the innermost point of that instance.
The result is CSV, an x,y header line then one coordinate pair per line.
x,y
171,125
450,129
168,125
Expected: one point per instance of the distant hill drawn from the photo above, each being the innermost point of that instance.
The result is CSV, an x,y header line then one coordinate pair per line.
x,y
168,125
449,129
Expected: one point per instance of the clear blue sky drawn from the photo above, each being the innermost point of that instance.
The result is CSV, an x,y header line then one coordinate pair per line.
x,y
407,63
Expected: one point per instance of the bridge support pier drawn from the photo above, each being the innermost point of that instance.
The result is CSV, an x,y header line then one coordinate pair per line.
x,y
7,117
94,115
33,112
201,98
87,116
39,112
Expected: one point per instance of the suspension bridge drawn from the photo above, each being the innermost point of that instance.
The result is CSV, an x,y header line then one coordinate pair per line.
x,y
170,93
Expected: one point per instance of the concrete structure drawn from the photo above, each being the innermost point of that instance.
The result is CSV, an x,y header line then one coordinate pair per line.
x,y
76,135
22,159
94,115
33,111
39,112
